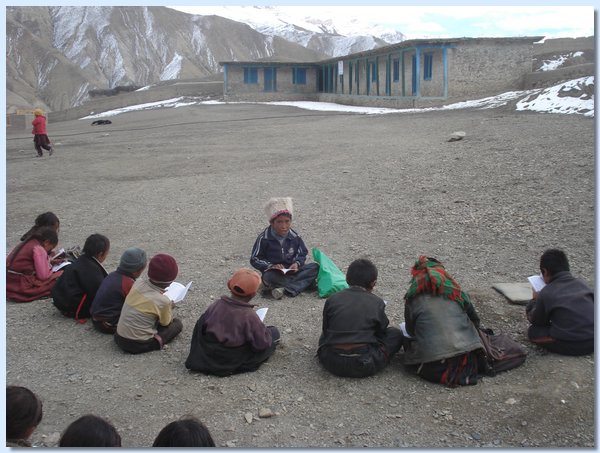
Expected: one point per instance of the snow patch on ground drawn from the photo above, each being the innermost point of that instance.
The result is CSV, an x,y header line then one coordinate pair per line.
x,y
571,97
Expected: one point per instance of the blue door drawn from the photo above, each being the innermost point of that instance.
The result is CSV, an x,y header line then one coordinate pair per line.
x,y
414,75
270,79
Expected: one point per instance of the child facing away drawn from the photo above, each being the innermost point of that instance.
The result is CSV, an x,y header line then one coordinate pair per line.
x,y
40,137
356,340
90,431
187,432
146,322
229,337
280,253
24,413
29,274
444,345
562,313
107,305
75,290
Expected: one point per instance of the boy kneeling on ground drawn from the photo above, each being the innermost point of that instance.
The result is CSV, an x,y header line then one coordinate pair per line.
x,y
356,340
229,337
562,313
146,322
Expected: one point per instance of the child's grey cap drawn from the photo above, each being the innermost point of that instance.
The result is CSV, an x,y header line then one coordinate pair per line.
x,y
133,259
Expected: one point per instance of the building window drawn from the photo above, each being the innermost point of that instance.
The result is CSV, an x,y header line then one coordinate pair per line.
x,y
427,66
374,72
299,76
396,69
250,75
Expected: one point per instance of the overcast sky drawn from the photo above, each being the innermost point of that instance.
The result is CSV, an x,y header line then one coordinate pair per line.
x,y
441,21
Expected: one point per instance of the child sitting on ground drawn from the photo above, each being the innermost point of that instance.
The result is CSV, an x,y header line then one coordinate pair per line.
x,y
146,322
75,290
90,431
562,313
280,254
444,345
107,305
356,340
229,337
29,274
23,414
187,432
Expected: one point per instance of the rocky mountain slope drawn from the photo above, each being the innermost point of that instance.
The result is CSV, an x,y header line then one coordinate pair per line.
x,y
56,54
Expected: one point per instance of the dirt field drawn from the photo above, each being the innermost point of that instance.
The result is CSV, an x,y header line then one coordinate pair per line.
x,y
192,182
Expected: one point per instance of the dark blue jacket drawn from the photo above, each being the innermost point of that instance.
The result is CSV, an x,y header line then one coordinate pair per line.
x,y
111,295
566,304
267,250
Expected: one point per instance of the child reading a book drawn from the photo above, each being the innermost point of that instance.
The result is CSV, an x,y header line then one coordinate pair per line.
x,y
146,322
107,305
29,274
229,337
356,340
562,313
76,289
280,254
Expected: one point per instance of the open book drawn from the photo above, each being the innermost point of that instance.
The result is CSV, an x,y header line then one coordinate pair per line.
x,y
537,282
176,291
283,271
59,266
262,312
403,329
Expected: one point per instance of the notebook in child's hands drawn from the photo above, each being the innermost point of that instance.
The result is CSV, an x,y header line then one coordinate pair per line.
x,y
176,291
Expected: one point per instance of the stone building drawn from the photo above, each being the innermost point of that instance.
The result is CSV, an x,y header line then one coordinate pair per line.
x,y
415,73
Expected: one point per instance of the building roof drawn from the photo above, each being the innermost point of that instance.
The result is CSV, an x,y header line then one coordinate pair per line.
x,y
282,61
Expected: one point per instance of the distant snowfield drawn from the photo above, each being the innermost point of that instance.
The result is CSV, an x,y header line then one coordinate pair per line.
x,y
571,97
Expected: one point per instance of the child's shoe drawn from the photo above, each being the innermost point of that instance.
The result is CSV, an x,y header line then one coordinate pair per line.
x,y
277,293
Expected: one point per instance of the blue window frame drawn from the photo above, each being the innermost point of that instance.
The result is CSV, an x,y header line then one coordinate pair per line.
x,y
374,72
250,75
427,66
299,76
396,69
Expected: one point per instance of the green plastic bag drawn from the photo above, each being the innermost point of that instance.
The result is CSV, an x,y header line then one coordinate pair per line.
x,y
330,279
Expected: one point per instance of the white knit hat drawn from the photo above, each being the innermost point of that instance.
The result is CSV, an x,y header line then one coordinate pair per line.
x,y
277,206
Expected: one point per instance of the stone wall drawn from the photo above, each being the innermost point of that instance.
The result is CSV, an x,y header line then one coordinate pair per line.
x,y
476,69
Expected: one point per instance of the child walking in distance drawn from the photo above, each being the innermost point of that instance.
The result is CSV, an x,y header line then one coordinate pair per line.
x,y
146,322
280,254
562,313
107,305
29,273
229,337
356,340
40,137
76,289
23,414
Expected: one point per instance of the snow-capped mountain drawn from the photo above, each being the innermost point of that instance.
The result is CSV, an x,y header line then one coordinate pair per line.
x,y
302,25
56,54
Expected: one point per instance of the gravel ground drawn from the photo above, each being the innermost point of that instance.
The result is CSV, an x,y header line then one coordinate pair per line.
x,y
192,181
